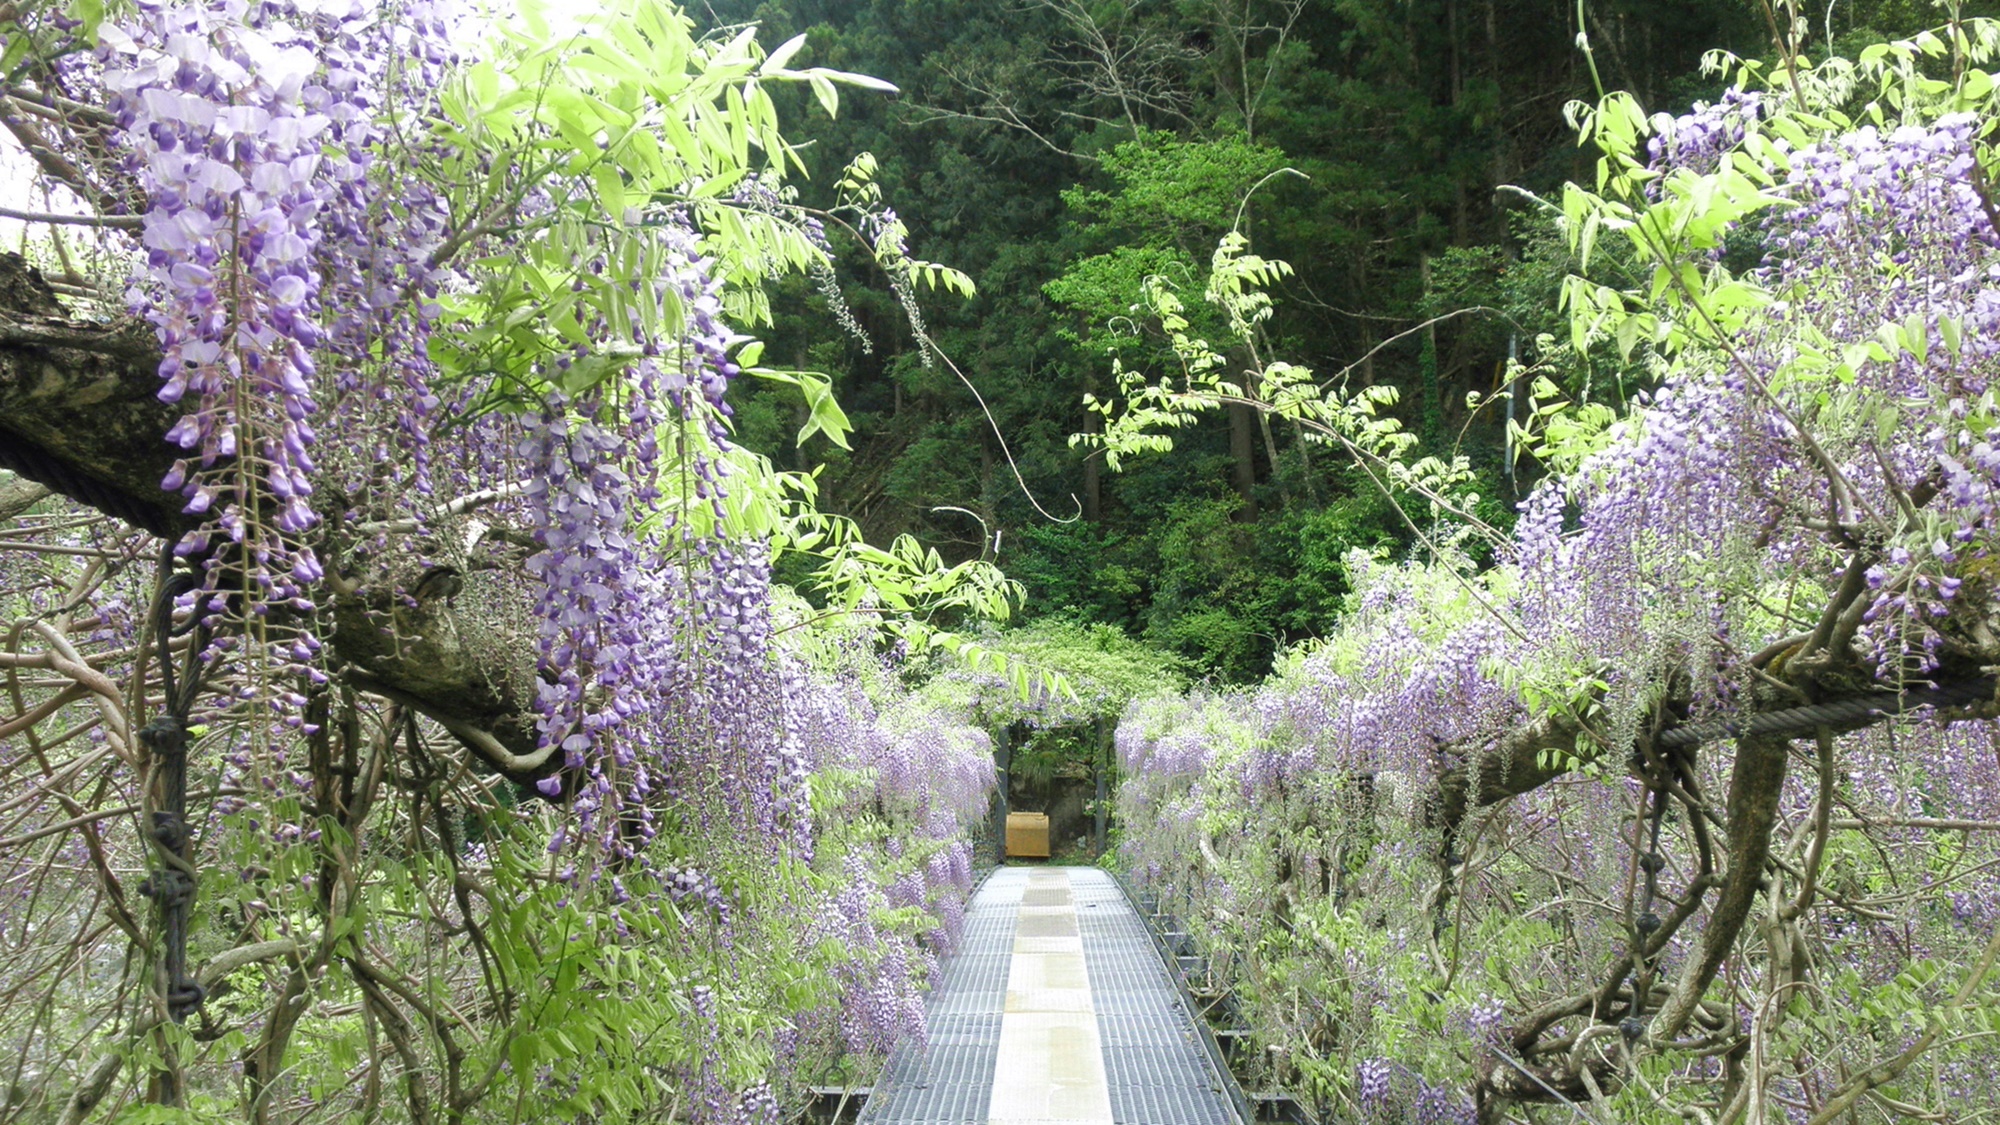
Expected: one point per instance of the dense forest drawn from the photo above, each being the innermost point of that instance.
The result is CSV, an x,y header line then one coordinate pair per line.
x,y
539,548
1060,152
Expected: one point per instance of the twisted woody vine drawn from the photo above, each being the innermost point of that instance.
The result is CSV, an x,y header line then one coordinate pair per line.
x,y
420,705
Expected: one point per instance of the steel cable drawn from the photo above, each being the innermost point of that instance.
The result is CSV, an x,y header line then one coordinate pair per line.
x,y
1849,713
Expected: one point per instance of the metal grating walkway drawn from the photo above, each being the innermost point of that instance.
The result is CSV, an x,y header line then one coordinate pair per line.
x,y
1057,1009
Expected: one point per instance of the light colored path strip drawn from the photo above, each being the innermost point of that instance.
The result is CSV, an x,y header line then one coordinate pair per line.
x,y
1051,1064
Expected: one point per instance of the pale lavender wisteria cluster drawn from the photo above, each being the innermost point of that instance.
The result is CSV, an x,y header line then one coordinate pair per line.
x,y
738,765
931,777
1388,1092
895,848
1633,586
1166,748
1392,697
885,232
880,1000
695,369
1901,778
272,253
386,225
1890,229
684,736
736,733
224,116
595,574
756,194
658,679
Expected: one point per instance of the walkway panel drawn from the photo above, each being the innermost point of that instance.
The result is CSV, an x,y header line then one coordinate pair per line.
x,y
1057,1010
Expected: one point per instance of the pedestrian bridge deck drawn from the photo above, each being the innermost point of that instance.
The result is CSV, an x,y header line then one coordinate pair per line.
x,y
1056,1009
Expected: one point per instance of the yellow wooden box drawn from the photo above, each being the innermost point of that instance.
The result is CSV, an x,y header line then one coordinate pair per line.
x,y
1028,835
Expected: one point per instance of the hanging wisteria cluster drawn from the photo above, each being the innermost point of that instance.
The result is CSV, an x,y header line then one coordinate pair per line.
x,y
253,131
1700,139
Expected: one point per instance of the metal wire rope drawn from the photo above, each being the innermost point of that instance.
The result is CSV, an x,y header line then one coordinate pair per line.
x,y
1848,713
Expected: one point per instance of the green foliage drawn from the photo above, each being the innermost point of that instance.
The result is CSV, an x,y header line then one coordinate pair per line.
x,y
683,121
1404,116
1098,290
1173,191
1091,671
1149,413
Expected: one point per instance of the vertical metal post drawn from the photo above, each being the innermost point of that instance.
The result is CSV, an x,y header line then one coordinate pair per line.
x,y
1102,763
1003,760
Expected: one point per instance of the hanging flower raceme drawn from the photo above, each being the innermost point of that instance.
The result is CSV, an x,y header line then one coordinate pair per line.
x,y
322,198
383,225
272,251
1699,139
213,107
1838,431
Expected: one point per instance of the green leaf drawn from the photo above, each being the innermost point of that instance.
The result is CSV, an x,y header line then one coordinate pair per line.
x,y
784,53
827,93
1628,336
610,191
861,80
88,12
1886,420
524,1051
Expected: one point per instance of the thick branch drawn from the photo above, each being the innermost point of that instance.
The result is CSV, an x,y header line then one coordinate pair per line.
x,y
1525,759
1755,784
79,406
1504,1080
80,416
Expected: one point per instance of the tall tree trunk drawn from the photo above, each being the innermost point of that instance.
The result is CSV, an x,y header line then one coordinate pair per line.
x,y
1243,457
1252,383
1306,462
1430,412
1502,166
1271,455
1461,211
989,513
